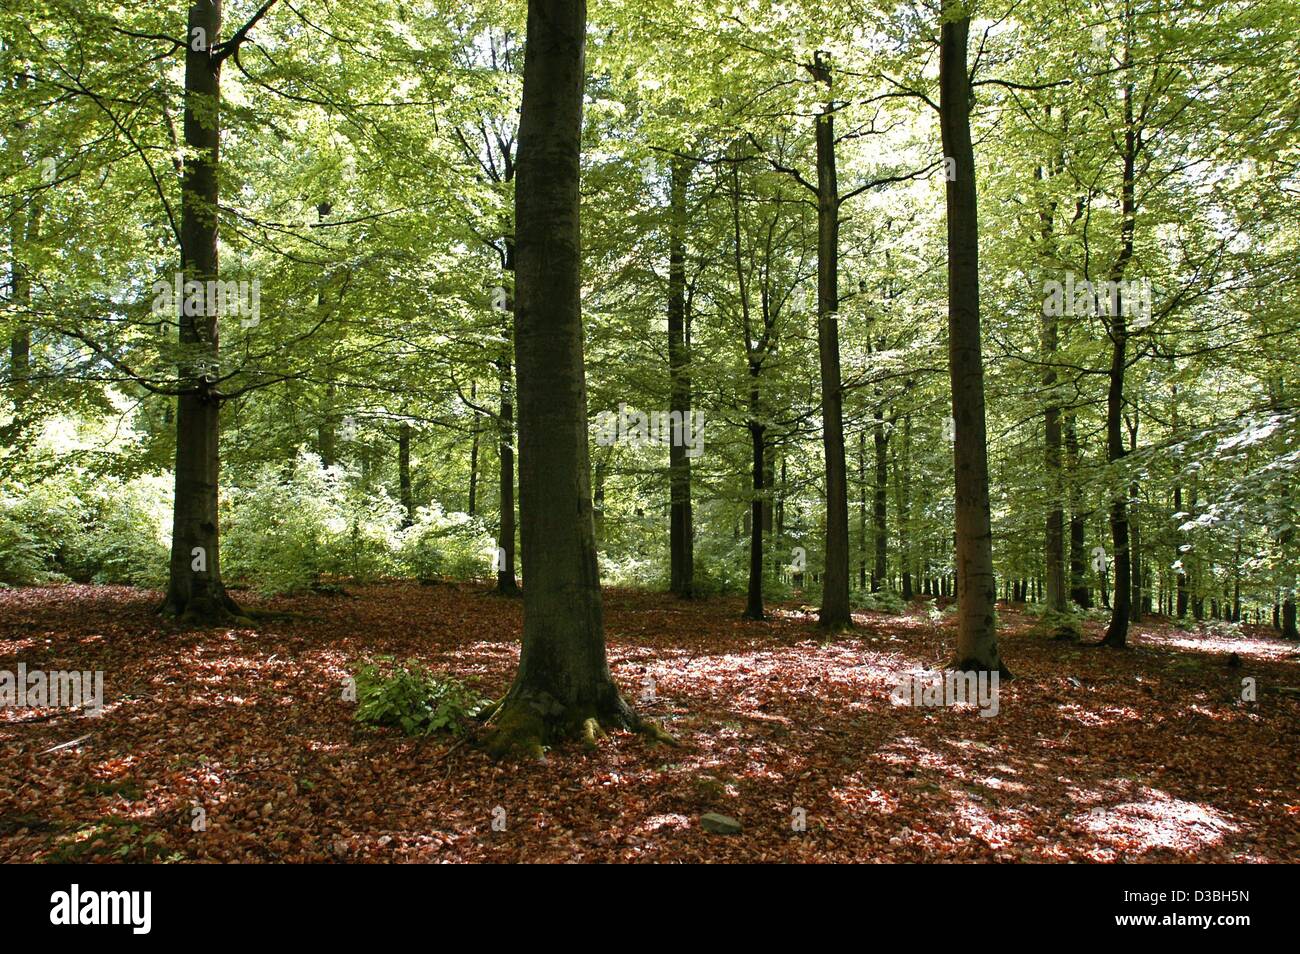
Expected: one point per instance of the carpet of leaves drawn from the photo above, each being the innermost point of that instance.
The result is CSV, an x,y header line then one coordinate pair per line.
x,y
1148,754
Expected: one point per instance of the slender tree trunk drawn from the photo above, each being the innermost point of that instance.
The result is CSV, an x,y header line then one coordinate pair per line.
x,y
1117,631
473,456
904,487
754,603
194,590
681,544
880,515
862,510
1135,545
404,473
835,613
1080,593
563,687
976,585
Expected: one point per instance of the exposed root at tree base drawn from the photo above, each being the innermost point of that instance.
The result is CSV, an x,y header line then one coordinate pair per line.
x,y
525,726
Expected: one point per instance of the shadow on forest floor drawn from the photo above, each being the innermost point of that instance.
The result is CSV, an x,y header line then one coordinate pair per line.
x,y
1094,755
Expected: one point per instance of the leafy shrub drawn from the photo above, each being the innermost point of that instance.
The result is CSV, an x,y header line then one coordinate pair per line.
x,y
410,697
285,532
884,601
440,544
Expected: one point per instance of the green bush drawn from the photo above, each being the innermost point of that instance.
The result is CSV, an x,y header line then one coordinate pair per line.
x,y
413,699
285,532
884,601
440,544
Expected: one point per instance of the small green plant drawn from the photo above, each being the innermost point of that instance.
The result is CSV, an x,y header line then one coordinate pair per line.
x,y
413,699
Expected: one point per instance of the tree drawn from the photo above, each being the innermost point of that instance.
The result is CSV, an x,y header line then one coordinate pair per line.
x,y
563,688
977,642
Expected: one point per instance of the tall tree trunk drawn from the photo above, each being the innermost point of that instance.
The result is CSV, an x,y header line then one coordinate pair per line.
x,y
880,515
1135,526
563,687
681,546
835,613
473,455
1054,536
904,489
404,473
976,585
1117,631
1080,592
194,590
862,510
757,430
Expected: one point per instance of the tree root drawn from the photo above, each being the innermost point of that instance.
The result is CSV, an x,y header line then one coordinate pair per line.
x,y
524,724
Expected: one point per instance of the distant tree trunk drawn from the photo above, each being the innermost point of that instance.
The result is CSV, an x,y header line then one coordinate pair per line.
x,y
757,430
1117,631
1080,592
681,532
880,515
904,490
1135,546
404,472
563,687
473,455
1054,538
862,510
195,591
835,612
976,585
326,438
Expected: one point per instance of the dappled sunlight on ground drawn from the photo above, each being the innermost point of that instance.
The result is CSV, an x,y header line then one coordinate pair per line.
x,y
1147,755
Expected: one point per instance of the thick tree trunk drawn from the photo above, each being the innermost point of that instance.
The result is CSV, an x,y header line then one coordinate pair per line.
x,y
194,590
977,642
1080,592
835,613
563,688
681,546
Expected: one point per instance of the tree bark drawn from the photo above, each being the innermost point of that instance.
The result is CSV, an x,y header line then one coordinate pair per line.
x,y
835,613
404,473
195,591
976,585
563,687
681,545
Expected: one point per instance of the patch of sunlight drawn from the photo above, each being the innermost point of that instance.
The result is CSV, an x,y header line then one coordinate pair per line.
x,y
1104,715
1155,820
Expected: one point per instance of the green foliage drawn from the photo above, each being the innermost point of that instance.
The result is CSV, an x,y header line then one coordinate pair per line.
x,y
410,697
83,527
884,601
440,544
285,532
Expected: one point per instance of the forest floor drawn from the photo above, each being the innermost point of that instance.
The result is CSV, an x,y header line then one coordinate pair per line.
x,y
1148,754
